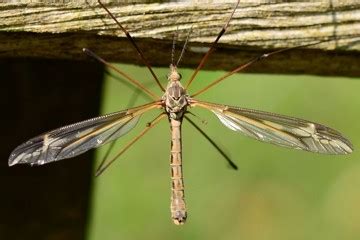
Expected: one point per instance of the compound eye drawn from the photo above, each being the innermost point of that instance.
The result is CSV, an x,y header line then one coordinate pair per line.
x,y
180,76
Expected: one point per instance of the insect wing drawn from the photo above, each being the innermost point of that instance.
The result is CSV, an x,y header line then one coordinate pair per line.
x,y
72,140
281,130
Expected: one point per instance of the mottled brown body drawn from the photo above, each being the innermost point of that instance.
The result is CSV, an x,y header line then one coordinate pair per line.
x,y
178,206
176,100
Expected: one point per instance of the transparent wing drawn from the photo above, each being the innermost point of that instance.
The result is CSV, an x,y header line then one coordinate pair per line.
x,y
281,130
72,140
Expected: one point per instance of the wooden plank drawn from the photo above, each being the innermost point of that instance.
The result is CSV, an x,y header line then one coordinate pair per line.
x,y
62,30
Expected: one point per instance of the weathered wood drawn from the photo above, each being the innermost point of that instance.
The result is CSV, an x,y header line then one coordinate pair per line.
x,y
62,30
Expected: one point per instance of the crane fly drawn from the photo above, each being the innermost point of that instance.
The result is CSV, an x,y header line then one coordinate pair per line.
x,y
72,140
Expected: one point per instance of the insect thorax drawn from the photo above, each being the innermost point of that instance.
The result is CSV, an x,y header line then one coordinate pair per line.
x,y
175,97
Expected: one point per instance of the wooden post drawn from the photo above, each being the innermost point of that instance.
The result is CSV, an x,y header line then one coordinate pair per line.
x,y
60,31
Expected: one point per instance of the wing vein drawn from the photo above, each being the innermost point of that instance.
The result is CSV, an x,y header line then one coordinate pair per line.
x,y
279,129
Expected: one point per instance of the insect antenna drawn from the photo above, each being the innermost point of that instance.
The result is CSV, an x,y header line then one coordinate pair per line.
x,y
129,37
213,143
174,46
184,47
212,48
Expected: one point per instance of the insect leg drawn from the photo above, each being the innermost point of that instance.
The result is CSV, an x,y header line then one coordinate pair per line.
x,y
212,48
212,142
140,53
247,64
103,166
132,80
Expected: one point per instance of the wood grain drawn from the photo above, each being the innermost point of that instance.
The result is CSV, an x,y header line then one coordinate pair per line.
x,y
60,31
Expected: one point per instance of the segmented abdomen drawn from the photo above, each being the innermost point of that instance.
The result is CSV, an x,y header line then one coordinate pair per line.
x,y
178,206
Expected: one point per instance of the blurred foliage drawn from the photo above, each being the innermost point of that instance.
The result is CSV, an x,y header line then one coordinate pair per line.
x,y
277,193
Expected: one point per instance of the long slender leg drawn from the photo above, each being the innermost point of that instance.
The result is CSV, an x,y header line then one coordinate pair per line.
x,y
140,53
213,143
150,125
212,48
132,80
136,92
245,65
106,156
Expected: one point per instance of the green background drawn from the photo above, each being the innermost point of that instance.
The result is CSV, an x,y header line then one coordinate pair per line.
x,y
277,193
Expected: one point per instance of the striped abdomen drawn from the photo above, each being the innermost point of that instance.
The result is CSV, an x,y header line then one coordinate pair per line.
x,y
178,207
